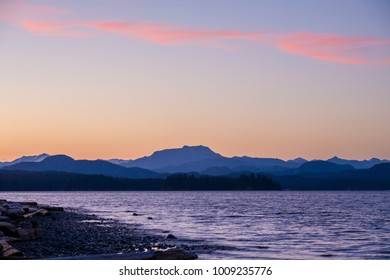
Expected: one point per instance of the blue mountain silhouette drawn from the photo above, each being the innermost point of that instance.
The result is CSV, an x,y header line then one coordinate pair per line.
x,y
63,163
173,157
321,166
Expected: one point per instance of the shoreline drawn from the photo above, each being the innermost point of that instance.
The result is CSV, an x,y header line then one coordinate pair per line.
x,y
32,231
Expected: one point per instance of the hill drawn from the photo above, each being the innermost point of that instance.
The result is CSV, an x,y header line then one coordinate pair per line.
x,y
63,163
358,164
320,166
36,158
171,157
374,178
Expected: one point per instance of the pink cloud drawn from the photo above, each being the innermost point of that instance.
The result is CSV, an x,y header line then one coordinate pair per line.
x,y
326,47
335,48
57,29
164,34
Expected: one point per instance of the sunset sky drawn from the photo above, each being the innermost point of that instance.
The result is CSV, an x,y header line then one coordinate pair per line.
x,y
123,78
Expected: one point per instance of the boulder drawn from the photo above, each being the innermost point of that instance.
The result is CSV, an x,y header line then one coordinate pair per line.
x,y
1,234
7,228
170,236
4,206
4,219
2,210
14,213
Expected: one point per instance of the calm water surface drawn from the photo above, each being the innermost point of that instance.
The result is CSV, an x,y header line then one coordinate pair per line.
x,y
257,225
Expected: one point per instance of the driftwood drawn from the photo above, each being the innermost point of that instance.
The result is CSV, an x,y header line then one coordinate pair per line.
x,y
40,212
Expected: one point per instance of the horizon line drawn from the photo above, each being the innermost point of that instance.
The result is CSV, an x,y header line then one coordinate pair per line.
x,y
192,146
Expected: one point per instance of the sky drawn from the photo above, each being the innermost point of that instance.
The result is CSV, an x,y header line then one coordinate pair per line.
x,y
263,78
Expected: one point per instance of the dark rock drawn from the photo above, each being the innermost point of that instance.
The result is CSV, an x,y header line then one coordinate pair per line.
x,y
14,213
170,236
1,234
326,255
4,219
135,214
150,218
7,228
53,208
31,203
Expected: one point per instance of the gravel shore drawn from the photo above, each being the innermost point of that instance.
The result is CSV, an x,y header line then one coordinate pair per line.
x,y
70,233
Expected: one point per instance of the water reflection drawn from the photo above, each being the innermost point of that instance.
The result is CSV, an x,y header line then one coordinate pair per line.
x,y
266,225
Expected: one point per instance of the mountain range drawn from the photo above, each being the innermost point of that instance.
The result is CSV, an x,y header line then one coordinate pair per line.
x,y
63,163
201,160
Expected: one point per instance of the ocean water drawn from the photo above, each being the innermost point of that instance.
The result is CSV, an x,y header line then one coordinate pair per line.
x,y
248,225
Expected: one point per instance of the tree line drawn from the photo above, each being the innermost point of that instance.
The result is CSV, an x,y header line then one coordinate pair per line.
x,y
61,181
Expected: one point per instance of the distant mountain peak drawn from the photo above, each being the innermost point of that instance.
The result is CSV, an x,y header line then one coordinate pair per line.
x,y
299,159
35,158
173,157
57,158
334,158
25,158
196,147
186,150
322,166
359,164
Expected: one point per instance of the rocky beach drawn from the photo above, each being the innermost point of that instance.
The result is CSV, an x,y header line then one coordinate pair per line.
x,y
32,231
